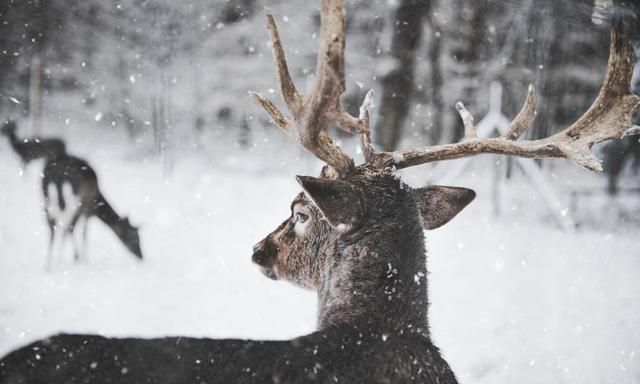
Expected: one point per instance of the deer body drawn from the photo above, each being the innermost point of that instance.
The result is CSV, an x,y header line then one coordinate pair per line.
x,y
72,196
32,148
338,354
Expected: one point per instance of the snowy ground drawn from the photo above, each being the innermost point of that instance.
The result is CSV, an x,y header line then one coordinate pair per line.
x,y
514,300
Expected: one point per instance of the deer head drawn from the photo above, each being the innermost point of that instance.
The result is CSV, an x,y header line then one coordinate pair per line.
x,y
129,236
355,226
331,210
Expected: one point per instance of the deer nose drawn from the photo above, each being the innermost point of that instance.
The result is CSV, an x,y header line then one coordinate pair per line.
x,y
260,257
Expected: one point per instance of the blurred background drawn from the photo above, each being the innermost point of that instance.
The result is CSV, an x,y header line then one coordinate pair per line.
x,y
537,281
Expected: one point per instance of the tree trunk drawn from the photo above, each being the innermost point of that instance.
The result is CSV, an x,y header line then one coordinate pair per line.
x,y
397,85
435,88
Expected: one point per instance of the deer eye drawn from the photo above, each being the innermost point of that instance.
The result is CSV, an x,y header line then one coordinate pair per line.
x,y
301,217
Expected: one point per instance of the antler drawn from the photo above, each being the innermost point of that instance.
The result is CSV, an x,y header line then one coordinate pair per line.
x,y
607,118
311,115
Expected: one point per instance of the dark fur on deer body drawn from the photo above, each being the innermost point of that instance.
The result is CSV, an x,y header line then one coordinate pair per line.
x,y
378,274
34,147
338,354
363,253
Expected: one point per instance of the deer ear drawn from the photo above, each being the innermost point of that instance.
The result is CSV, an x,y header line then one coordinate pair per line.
x,y
439,204
337,200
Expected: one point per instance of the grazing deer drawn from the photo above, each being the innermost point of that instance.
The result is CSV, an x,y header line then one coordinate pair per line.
x,y
355,236
72,196
33,148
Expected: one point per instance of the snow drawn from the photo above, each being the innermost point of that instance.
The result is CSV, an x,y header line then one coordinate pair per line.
x,y
522,293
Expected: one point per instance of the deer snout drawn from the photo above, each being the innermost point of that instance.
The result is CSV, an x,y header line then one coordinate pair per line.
x,y
265,259
261,255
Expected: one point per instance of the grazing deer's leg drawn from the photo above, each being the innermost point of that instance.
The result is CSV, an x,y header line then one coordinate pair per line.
x,y
47,265
73,232
61,206
69,215
83,247
85,225
52,225
79,234
57,243
52,210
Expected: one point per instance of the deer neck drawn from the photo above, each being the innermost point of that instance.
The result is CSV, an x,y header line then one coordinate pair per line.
x,y
107,214
378,280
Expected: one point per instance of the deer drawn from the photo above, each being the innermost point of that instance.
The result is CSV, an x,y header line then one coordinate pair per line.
x,y
71,197
354,236
32,148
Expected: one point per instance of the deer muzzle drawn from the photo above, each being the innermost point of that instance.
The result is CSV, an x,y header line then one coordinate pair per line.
x,y
264,259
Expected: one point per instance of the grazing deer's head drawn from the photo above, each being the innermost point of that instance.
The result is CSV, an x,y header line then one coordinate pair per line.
x,y
355,234
129,236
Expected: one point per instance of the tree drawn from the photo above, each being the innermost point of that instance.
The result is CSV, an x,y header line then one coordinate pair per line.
x,y
398,84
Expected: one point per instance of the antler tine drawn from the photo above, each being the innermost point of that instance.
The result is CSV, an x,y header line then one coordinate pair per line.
x,y
312,115
607,118
276,116
365,139
524,118
468,121
288,89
